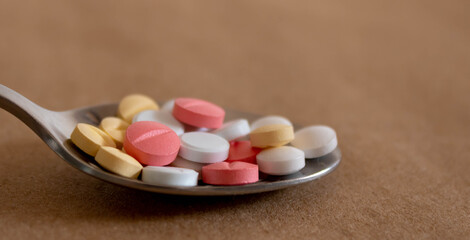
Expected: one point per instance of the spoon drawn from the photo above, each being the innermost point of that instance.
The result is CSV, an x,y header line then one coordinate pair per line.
x,y
55,128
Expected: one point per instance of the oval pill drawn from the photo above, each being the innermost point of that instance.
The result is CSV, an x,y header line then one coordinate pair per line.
x,y
151,143
281,160
269,120
169,176
242,151
233,129
90,138
198,113
118,162
235,173
133,104
203,147
273,135
315,141
116,128
163,117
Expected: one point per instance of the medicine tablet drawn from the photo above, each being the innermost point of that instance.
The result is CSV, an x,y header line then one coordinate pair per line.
x,y
168,106
116,128
203,147
281,160
242,151
151,143
90,138
163,117
269,120
169,176
118,162
235,173
315,141
271,135
198,113
133,104
233,129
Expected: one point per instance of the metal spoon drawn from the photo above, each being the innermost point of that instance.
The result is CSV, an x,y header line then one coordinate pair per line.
x,y
54,128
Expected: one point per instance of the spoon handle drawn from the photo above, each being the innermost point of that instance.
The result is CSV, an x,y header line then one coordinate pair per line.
x,y
27,111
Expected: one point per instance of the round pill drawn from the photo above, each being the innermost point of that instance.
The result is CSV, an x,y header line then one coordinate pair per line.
x,y
273,135
242,151
233,129
281,160
133,104
235,173
169,176
116,128
168,105
90,138
118,162
163,117
151,143
269,120
198,113
315,141
203,147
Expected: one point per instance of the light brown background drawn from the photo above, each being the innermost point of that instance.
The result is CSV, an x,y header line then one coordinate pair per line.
x,y
392,77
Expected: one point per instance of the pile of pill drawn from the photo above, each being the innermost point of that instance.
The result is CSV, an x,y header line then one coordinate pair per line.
x,y
187,141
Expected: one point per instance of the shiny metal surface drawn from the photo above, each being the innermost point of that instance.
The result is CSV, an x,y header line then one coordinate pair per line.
x,y
54,128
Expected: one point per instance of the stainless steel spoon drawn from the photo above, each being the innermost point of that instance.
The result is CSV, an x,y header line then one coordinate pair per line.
x,y
54,128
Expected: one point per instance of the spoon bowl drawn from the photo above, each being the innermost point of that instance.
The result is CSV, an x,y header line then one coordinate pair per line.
x,y
55,128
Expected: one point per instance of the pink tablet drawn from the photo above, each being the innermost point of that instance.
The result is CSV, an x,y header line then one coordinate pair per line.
x,y
151,143
198,113
235,173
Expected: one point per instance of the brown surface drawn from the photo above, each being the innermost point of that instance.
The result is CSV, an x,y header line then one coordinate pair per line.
x,y
392,78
